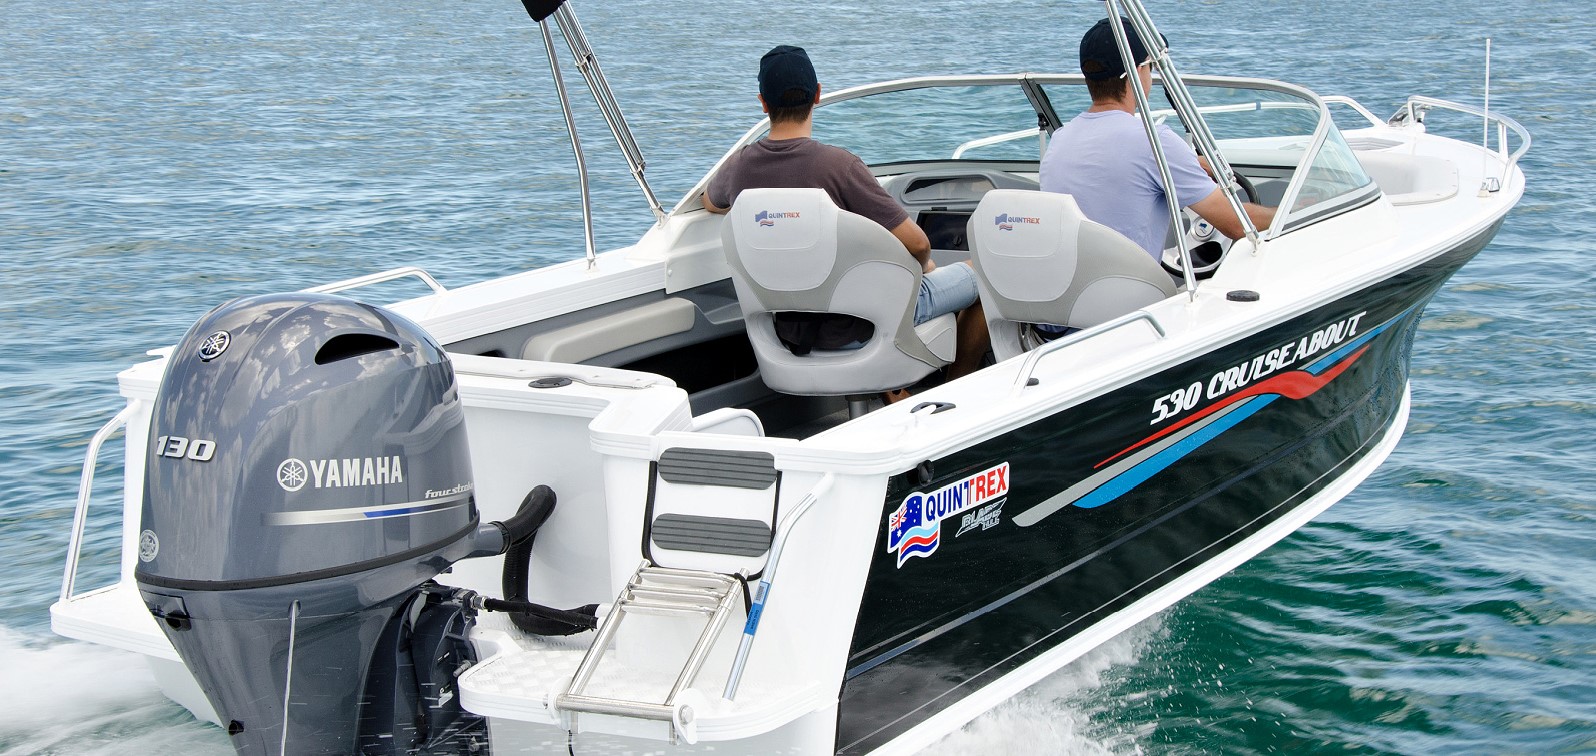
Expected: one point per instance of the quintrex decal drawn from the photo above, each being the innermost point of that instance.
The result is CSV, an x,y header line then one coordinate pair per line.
x,y
1005,222
915,528
768,218
1236,394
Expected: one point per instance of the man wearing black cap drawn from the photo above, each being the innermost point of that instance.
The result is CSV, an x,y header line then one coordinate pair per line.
x,y
1102,156
788,158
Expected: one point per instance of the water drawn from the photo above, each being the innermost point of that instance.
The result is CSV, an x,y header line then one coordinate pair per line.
x,y
159,158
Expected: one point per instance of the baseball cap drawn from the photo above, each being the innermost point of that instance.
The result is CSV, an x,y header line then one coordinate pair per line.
x,y
1100,56
786,77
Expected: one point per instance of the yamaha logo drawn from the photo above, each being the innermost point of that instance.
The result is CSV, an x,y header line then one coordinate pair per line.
x,y
214,345
292,474
149,546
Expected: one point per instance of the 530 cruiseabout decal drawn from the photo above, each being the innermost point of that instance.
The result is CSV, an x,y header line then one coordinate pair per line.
x,y
1239,376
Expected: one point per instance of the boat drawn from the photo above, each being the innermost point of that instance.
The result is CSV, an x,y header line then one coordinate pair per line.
x,y
348,528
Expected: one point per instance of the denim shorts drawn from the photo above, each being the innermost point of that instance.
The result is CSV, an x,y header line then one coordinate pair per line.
x,y
949,288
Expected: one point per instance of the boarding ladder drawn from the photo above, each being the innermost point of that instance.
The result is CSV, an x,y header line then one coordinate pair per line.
x,y
708,524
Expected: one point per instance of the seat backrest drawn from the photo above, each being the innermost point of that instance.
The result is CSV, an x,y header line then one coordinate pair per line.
x,y
1038,259
793,250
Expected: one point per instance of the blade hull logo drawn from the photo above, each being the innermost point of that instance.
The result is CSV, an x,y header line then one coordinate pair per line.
x,y
294,474
915,528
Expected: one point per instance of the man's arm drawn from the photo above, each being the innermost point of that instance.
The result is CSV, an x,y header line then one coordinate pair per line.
x,y
914,239
711,206
1216,210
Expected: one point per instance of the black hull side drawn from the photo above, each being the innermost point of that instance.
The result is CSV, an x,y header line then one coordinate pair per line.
x,y
1117,500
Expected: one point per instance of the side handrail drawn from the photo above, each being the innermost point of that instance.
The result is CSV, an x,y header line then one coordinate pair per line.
x,y
757,607
1023,379
409,271
1417,105
80,517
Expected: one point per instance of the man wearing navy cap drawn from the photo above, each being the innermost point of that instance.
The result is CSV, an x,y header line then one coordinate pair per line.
x,y
1102,156
787,158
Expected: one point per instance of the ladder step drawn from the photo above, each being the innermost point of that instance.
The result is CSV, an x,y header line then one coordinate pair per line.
x,y
689,577
684,595
597,705
644,607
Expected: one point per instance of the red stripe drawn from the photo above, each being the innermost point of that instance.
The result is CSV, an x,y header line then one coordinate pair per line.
x,y
1297,384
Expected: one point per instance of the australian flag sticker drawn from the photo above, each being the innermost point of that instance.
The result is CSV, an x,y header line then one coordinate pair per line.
x,y
914,529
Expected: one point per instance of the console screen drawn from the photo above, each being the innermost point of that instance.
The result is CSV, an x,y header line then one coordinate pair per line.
x,y
945,229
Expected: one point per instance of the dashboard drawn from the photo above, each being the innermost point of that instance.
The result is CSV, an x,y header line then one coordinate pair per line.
x,y
941,196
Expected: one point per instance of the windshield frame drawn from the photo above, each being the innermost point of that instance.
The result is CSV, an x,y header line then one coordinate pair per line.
x,y
1285,221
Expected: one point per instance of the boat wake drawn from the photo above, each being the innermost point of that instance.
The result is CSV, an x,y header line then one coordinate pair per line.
x,y
82,699
1064,713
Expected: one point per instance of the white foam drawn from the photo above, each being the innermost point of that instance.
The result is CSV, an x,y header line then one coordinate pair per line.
x,y
69,697
1055,715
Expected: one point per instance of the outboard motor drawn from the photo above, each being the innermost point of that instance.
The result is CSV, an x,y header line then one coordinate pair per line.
x,y
307,476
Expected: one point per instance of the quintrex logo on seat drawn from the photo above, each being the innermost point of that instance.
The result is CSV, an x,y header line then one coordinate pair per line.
x,y
1005,222
769,218
293,474
915,529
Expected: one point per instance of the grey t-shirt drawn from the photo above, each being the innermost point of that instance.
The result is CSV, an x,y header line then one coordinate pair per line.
x,y
804,163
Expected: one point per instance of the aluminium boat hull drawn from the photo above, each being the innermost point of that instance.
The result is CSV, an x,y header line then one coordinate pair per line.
x,y
1116,508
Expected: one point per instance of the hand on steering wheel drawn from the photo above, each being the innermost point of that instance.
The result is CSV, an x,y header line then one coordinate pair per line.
x,y
1208,246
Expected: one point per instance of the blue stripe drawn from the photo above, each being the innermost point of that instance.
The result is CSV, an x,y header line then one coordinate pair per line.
x,y
1121,484
404,511
1147,468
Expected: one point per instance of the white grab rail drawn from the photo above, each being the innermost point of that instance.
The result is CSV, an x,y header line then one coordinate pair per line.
x,y
85,491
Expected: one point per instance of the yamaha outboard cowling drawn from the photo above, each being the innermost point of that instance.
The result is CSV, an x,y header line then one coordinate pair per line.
x,y
307,476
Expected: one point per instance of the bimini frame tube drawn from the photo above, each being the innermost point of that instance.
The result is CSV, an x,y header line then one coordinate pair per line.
x,y
1185,107
576,141
587,64
1145,112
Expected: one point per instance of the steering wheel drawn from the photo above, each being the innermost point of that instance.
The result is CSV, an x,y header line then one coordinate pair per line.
x,y
1208,246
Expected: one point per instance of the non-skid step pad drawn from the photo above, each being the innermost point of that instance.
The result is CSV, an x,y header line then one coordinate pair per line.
x,y
712,535
718,467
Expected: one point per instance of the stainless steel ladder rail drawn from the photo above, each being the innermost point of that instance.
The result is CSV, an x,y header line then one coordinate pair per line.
x,y
662,591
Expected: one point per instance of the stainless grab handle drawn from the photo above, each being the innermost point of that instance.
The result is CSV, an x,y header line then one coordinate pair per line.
x,y
85,491
409,271
762,592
